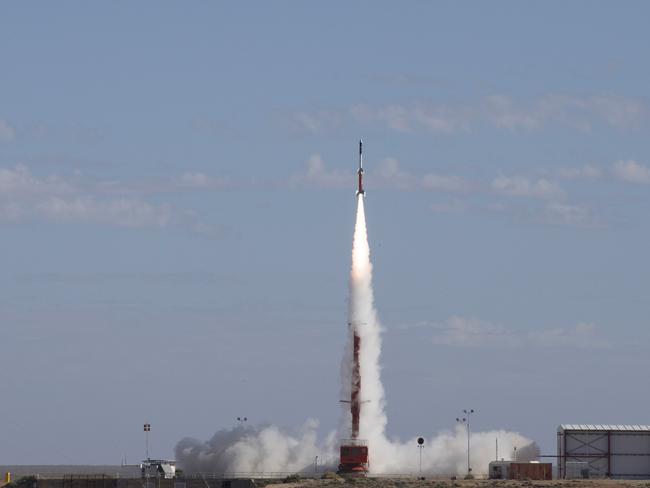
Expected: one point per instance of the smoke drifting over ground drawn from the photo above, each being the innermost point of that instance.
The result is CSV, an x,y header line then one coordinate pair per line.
x,y
262,449
270,449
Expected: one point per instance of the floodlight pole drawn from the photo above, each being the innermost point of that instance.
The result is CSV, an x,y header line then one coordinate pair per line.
x,y
466,420
147,429
147,464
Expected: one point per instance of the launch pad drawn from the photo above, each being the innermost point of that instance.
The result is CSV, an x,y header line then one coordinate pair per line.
x,y
354,451
354,458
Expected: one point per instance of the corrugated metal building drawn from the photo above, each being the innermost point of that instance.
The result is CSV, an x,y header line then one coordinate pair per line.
x,y
603,451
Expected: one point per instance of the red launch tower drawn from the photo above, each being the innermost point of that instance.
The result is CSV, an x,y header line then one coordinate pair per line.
x,y
354,451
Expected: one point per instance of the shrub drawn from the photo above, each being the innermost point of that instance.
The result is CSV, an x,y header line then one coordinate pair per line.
x,y
292,478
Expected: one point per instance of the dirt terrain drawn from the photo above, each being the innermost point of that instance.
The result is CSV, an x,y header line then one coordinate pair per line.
x,y
439,483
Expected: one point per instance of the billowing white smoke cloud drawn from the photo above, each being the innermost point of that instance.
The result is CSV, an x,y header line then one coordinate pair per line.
x,y
263,449
270,449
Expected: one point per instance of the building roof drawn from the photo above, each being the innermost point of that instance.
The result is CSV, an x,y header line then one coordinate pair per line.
x,y
604,427
56,471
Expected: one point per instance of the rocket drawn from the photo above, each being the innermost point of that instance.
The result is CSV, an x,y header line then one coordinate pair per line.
x,y
355,402
360,190
354,451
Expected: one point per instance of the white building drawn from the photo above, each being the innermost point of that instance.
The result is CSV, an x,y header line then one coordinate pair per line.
x,y
603,451
158,468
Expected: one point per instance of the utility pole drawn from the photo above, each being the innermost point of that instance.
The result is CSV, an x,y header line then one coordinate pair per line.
x,y
147,464
466,420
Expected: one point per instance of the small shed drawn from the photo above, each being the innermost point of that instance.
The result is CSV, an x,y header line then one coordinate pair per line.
x,y
510,470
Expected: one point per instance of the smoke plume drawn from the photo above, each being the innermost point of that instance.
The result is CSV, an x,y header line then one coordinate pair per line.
x,y
262,449
271,449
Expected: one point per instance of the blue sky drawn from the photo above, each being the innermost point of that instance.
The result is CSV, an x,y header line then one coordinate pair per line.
x,y
176,211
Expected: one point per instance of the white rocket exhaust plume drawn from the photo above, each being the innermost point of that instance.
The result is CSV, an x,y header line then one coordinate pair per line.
x,y
271,449
365,324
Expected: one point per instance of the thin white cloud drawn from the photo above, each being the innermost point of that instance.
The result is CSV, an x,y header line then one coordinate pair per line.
x,y
391,174
580,113
586,172
534,199
619,112
7,132
389,169
582,336
450,183
19,181
629,171
454,206
190,181
124,212
388,174
202,181
317,122
472,332
524,187
503,112
496,110
318,174
436,119
632,172
557,213
554,213
25,196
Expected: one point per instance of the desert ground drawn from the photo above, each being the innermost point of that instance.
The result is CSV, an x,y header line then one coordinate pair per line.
x,y
439,483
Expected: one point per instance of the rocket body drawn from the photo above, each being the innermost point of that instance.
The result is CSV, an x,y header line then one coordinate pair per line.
x,y
360,190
